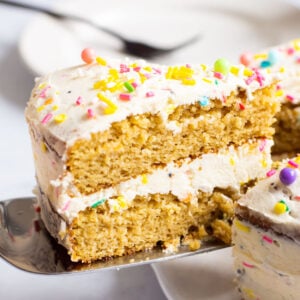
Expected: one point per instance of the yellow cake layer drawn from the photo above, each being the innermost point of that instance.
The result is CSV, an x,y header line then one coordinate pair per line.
x,y
142,143
149,221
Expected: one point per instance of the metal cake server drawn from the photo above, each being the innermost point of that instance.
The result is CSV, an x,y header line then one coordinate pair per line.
x,y
25,244
133,47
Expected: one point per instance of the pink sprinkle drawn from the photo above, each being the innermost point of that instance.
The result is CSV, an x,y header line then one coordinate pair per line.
x,y
66,206
250,79
267,239
278,87
137,69
124,97
290,51
47,118
218,75
79,100
157,71
90,113
271,173
124,69
262,145
298,60
289,98
248,265
43,92
147,75
293,164
149,94
259,78
134,84
188,66
224,98
297,198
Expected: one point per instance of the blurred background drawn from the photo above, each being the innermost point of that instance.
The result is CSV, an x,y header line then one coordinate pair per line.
x,y
32,44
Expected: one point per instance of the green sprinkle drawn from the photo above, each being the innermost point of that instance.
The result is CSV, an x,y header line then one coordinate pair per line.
x,y
286,207
98,203
222,66
129,87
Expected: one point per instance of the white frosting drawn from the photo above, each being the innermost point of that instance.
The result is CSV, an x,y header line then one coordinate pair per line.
x,y
58,92
286,62
225,169
262,199
267,265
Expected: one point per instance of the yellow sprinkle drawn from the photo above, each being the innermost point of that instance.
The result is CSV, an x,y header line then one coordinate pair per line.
x,y
44,147
297,160
241,226
232,161
282,70
101,61
279,93
261,56
116,207
296,44
170,108
60,118
248,72
264,163
114,73
42,85
100,85
117,87
249,293
122,202
148,68
55,107
207,80
235,70
40,108
48,101
143,78
134,65
279,208
57,92
204,67
144,179
188,81
169,73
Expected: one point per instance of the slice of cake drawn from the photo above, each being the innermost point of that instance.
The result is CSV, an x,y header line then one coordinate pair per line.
x,y
266,234
284,59
131,155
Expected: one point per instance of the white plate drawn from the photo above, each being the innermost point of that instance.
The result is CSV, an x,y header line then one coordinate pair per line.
x,y
227,29
206,276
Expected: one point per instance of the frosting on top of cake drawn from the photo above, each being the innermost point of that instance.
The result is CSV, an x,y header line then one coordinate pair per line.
x,y
75,102
277,198
284,59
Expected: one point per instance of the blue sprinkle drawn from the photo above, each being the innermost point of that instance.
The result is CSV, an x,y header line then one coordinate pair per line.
x,y
273,56
203,101
265,64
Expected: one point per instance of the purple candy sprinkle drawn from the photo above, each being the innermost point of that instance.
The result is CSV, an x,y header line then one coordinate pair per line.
x,y
287,176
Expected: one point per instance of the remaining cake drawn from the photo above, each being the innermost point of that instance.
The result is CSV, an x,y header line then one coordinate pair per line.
x,y
284,59
266,233
131,155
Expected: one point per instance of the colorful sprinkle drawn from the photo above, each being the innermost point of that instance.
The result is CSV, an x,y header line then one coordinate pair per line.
x,y
289,98
79,100
271,173
98,203
288,176
149,94
265,64
246,58
144,179
90,113
242,227
125,97
262,145
219,75
273,56
66,206
129,86
187,81
267,239
121,201
111,107
280,208
247,265
47,118
293,164
222,66
60,118
235,70
101,61
44,148
204,101
241,106
88,55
